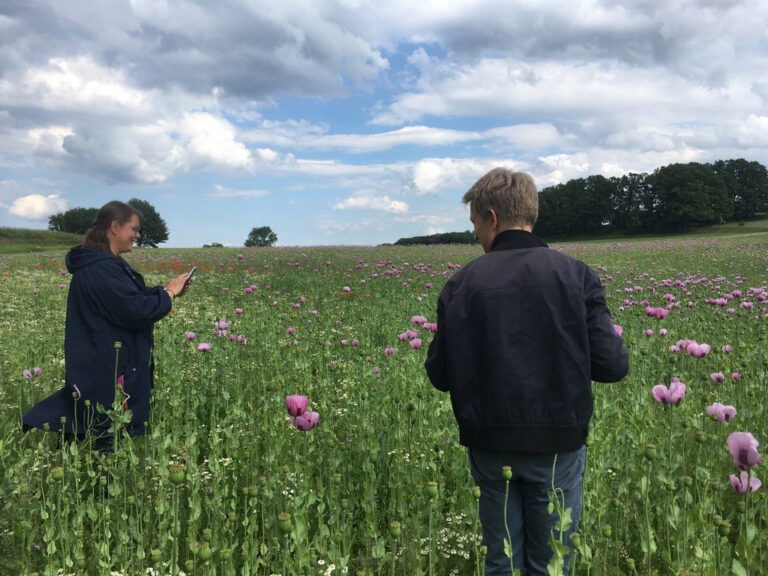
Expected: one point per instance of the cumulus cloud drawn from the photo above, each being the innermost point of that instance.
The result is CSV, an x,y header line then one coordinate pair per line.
x,y
37,206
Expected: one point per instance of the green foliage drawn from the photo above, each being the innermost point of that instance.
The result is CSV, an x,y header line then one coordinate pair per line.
x,y
154,230
261,236
466,237
675,198
73,221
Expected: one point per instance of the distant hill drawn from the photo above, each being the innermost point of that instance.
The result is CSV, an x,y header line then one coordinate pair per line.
x,y
14,240
466,237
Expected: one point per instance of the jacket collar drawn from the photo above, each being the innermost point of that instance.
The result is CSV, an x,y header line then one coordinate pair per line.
x,y
514,239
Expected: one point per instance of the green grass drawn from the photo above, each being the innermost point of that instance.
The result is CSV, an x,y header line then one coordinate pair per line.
x,y
19,240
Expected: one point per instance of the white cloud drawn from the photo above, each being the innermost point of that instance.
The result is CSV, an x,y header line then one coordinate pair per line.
x,y
376,203
222,192
37,206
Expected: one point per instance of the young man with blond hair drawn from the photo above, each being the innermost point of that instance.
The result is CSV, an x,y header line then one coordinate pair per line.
x,y
521,333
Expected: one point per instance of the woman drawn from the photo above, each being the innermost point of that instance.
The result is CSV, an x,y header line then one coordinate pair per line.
x,y
108,302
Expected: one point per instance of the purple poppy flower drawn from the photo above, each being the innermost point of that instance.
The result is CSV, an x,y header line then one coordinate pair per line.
x,y
190,335
416,343
203,346
698,350
296,404
672,395
743,448
721,412
403,336
736,376
307,421
727,349
618,329
238,310
291,330
355,342
663,332
717,377
26,374
648,333
745,483
418,320
36,371
389,351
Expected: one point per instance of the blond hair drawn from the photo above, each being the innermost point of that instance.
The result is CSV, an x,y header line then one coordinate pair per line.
x,y
512,195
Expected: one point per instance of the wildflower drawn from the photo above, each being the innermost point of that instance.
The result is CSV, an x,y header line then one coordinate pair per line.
x,y
727,349
291,330
648,333
416,343
672,395
274,304
717,377
306,422
204,347
190,335
238,310
296,404
721,412
618,329
77,390
389,351
743,448
736,376
355,342
26,374
663,332
745,483
697,350
403,336
418,320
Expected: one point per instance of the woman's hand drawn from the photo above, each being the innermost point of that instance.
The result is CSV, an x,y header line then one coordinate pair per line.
x,y
178,286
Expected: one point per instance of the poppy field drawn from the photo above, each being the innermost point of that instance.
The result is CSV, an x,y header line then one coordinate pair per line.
x,y
294,430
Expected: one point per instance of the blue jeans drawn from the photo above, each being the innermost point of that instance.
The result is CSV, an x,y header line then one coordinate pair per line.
x,y
529,522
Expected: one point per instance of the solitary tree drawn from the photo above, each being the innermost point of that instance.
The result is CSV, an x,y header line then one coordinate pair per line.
x,y
154,230
262,236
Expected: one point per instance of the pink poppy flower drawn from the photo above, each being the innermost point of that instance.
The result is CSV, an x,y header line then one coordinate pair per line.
x,y
727,349
745,483
672,395
238,310
36,371
743,448
416,343
663,332
306,421
190,335
418,320
736,376
648,333
296,404
26,374
618,329
721,412
389,351
698,350
717,377
204,347
403,336
411,334
291,330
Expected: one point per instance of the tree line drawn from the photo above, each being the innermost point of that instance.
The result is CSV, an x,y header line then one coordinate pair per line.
x,y
154,229
674,198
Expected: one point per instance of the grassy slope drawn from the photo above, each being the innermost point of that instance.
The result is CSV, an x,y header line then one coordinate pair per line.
x,y
15,240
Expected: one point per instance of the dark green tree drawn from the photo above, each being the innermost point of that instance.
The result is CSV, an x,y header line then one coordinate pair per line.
x,y
154,230
747,184
74,221
690,195
261,236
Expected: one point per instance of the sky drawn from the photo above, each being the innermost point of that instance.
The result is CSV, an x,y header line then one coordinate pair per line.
x,y
360,122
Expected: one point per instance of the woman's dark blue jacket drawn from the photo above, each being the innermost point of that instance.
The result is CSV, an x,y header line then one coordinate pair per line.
x,y
108,302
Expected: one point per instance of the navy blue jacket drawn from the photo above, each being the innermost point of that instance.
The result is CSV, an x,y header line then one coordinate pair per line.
x,y
108,302
521,333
